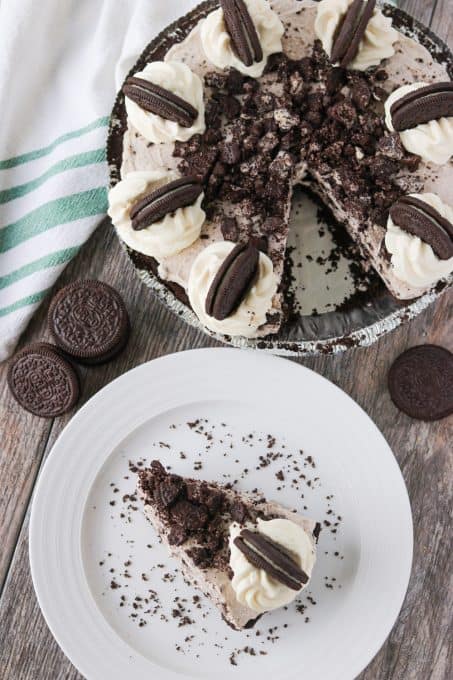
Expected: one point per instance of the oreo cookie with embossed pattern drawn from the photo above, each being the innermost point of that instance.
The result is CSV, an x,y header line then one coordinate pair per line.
x,y
420,382
351,30
89,321
242,31
43,381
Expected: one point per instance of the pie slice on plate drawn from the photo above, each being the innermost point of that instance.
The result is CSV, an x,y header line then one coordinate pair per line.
x,y
247,554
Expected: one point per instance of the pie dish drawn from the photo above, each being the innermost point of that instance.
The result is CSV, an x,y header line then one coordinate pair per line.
x,y
329,133
208,528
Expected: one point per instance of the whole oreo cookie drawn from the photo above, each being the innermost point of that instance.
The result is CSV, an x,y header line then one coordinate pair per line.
x,y
43,381
420,382
89,321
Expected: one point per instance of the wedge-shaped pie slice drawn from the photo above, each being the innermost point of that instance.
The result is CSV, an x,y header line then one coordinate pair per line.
x,y
247,554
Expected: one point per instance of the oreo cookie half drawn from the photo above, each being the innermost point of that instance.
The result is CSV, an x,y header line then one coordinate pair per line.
x,y
159,101
168,198
350,31
89,321
43,381
423,105
232,282
421,219
242,31
265,554
420,382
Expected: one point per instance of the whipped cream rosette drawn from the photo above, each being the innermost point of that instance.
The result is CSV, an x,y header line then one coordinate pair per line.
x,y
423,115
354,33
231,288
271,563
157,213
165,103
419,239
242,34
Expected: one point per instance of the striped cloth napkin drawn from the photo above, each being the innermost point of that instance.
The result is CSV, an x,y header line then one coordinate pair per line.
x,y
61,62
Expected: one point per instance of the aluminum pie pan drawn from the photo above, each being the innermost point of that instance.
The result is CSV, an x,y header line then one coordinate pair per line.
x,y
332,332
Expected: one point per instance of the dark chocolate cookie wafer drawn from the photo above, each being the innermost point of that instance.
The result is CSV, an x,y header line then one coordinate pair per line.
x,y
89,321
43,381
242,31
423,105
165,200
232,282
160,101
421,219
265,554
350,31
420,382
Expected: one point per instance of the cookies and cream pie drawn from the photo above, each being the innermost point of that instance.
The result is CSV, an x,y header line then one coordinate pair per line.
x,y
247,554
257,97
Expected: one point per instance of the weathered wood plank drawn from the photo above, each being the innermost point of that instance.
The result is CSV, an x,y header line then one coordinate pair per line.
x,y
420,9
23,439
442,21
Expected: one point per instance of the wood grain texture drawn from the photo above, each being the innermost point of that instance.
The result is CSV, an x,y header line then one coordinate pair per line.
x,y
419,647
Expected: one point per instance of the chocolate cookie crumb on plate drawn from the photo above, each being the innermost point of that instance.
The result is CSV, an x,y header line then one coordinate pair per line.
x,y
43,381
89,321
420,382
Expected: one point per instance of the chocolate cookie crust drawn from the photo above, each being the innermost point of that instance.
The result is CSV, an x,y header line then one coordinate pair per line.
x,y
89,321
420,382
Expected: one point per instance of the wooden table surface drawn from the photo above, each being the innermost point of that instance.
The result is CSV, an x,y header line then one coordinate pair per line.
x,y
419,646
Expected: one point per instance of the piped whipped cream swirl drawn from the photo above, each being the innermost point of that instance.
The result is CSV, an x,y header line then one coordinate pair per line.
x,y
376,44
251,313
170,235
179,79
413,260
254,587
217,45
432,141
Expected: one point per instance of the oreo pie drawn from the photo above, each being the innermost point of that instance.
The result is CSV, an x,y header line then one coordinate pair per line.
x,y
292,93
247,554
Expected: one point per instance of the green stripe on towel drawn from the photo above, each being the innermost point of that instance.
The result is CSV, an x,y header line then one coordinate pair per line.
x,y
39,153
51,260
25,302
52,214
77,161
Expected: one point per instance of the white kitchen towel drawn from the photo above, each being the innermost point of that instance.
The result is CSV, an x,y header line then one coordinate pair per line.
x,y
61,63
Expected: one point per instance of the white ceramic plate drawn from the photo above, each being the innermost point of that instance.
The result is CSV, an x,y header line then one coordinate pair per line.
x,y
84,525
